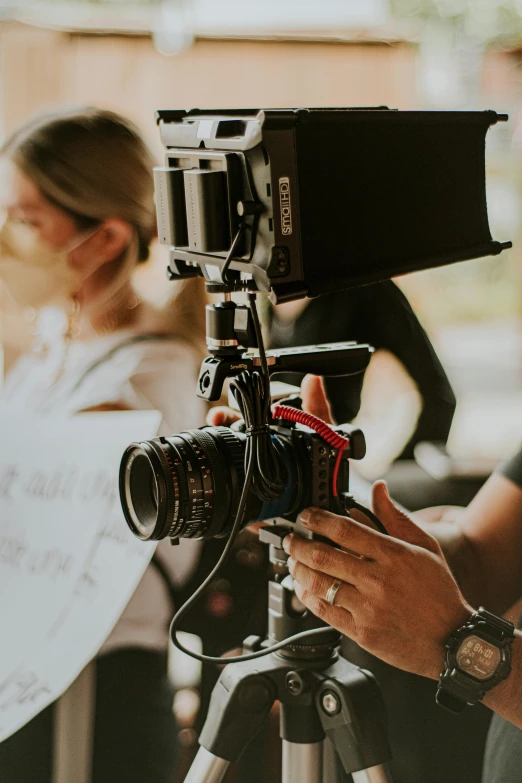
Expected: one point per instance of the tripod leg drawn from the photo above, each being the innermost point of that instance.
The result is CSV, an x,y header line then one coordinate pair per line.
x,y
332,768
207,768
372,775
302,763
240,704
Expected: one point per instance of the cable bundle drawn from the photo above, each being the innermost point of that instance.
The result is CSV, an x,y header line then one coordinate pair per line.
x,y
270,475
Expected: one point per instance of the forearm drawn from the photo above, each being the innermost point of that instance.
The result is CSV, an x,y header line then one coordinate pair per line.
x,y
434,422
506,698
475,574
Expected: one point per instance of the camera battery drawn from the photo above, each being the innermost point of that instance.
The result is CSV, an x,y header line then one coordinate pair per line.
x,y
169,190
206,207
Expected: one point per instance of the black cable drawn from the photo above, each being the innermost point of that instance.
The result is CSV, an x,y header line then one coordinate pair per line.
x,y
230,256
350,502
252,392
269,478
262,354
195,596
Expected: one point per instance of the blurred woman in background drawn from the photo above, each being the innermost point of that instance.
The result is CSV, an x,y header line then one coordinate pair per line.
x,y
80,218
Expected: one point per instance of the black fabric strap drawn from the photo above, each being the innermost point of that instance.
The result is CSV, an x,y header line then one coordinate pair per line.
x,y
450,702
455,691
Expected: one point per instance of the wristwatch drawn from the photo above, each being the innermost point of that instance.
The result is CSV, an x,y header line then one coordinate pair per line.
x,y
477,657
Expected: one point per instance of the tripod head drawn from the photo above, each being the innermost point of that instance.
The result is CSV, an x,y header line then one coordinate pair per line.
x,y
231,336
286,614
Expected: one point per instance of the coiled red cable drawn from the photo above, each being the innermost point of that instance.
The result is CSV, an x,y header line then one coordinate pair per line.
x,y
323,429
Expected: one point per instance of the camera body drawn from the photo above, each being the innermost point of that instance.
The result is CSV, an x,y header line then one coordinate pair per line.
x,y
189,485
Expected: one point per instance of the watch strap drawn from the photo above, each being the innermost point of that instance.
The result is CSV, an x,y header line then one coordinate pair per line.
x,y
456,691
497,628
450,702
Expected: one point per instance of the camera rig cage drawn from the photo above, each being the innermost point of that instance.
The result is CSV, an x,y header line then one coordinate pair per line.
x,y
301,202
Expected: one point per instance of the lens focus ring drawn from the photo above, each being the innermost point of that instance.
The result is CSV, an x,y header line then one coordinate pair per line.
x,y
234,459
206,514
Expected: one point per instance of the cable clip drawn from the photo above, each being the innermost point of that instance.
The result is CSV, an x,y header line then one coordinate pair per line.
x,y
261,429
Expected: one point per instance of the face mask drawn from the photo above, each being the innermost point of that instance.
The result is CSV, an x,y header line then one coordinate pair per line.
x,y
35,274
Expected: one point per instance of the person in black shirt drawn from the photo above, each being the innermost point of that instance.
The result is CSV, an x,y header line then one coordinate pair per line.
x,y
402,603
381,315
503,759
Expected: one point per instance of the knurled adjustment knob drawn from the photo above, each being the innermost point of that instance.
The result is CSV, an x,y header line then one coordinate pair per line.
x,y
235,449
249,208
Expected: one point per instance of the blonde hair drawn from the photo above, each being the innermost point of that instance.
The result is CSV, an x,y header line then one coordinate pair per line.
x,y
94,165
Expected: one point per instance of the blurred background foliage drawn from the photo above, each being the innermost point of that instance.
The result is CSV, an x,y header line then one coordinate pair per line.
x,y
489,20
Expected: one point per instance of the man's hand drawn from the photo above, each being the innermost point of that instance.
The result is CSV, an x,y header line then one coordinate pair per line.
x,y
398,598
220,416
314,398
439,514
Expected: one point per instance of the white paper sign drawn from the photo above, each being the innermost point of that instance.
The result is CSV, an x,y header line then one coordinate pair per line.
x,y
68,562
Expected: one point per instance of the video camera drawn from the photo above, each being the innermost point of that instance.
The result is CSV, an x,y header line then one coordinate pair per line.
x,y
294,203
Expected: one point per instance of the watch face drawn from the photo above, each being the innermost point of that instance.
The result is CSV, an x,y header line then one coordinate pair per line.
x,y
478,658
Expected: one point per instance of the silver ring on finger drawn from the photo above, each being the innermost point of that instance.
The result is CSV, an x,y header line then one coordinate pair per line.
x,y
332,592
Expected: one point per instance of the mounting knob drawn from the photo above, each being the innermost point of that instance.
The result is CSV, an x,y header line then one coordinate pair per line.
x,y
245,208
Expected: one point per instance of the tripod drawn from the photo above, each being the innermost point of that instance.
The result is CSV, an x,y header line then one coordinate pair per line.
x,y
321,695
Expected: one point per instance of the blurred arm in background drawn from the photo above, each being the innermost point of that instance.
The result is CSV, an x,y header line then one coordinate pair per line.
x,y
379,315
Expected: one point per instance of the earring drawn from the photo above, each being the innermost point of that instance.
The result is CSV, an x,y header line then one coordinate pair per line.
x,y
72,330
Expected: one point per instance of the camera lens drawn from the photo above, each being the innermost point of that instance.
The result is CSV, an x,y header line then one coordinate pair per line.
x,y
140,482
143,487
189,485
